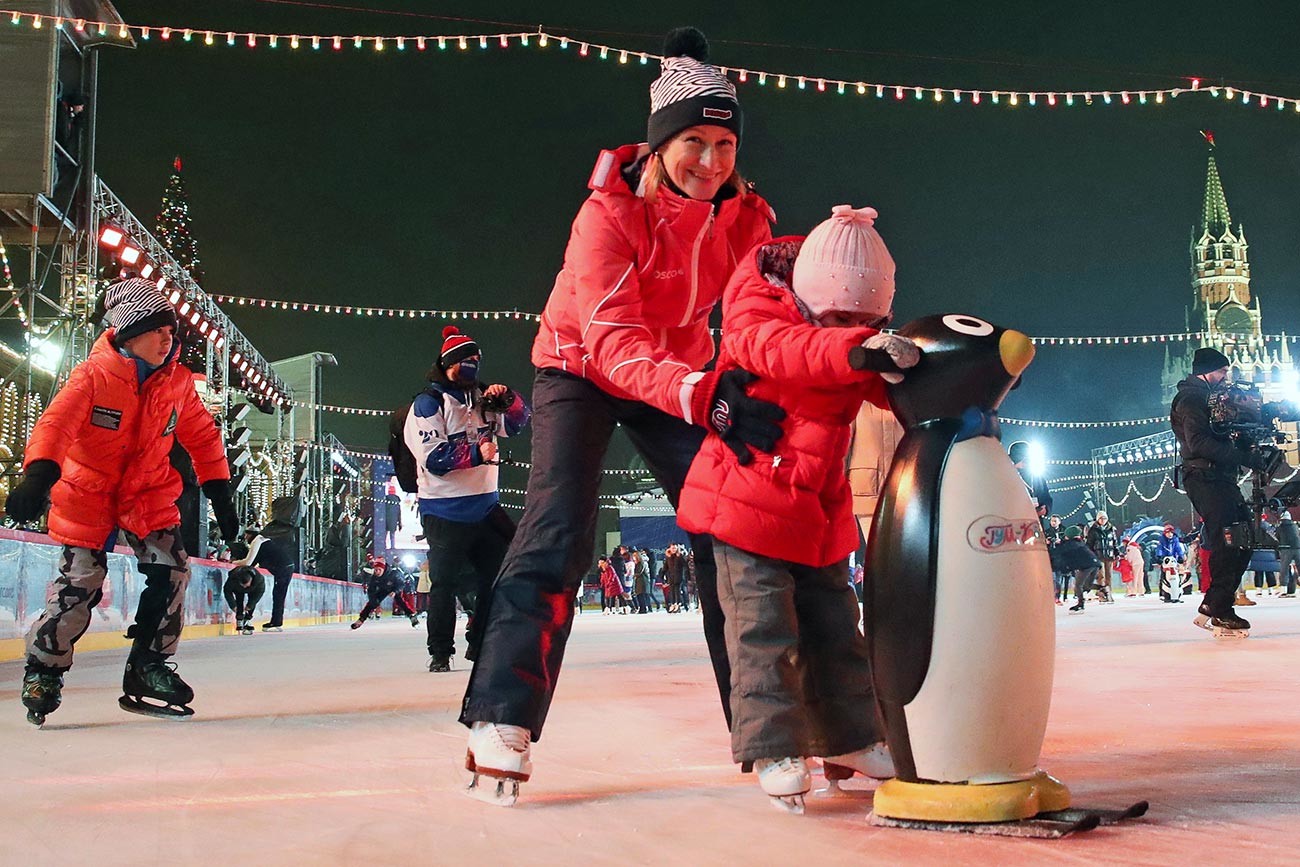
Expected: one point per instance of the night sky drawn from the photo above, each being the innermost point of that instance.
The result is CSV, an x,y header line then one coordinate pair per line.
x,y
449,180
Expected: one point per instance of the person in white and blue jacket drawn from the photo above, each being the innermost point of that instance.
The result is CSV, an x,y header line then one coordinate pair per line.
x,y
451,430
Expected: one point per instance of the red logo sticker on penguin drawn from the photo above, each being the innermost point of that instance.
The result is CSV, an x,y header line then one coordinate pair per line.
x,y
994,534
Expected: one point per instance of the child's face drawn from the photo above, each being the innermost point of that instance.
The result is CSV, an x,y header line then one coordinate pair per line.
x,y
847,319
152,347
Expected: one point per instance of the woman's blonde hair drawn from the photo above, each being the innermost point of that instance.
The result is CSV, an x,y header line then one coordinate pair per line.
x,y
654,175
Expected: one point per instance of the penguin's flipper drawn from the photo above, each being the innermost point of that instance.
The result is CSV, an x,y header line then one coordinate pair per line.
x,y
900,580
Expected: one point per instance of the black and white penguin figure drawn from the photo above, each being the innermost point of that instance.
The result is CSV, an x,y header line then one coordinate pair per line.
x,y
959,611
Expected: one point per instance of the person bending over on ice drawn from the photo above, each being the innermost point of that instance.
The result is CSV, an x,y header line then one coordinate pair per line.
x,y
783,524
1071,555
243,589
98,456
382,584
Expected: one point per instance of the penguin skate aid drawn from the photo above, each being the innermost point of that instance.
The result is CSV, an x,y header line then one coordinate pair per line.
x,y
1222,427
98,459
954,519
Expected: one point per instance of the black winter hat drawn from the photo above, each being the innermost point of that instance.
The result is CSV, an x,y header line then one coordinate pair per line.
x,y
1207,360
690,92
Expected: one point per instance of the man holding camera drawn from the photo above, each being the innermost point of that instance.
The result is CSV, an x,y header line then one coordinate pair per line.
x,y
451,430
1211,464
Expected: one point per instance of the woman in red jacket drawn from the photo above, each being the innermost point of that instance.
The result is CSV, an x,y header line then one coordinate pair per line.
x,y
623,342
99,457
783,524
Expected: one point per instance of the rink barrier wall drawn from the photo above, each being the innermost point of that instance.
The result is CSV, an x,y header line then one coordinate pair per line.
x,y
29,563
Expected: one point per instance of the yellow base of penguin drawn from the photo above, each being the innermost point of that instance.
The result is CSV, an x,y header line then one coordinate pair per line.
x,y
965,802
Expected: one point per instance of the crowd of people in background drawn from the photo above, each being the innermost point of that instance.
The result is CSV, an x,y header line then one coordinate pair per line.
x,y
1085,556
638,581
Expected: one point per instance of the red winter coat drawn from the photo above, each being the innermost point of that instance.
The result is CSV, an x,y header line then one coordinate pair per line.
x,y
111,438
610,583
629,310
795,504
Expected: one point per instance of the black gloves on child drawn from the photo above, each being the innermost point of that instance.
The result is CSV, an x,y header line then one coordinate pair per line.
x,y
31,497
223,506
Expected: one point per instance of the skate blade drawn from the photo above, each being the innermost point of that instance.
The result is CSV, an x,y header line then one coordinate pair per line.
x,y
144,708
832,790
791,804
1035,826
1230,634
497,791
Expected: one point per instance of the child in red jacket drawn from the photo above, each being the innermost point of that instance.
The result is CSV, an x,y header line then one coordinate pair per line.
x,y
783,523
99,457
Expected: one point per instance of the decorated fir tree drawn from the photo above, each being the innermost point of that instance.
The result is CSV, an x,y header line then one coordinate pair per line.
x,y
172,226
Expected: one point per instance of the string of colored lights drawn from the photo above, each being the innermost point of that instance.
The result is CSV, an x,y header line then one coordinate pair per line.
x,y
541,38
518,315
1131,422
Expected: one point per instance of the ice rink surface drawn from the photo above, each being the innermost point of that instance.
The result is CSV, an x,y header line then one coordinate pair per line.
x,y
327,746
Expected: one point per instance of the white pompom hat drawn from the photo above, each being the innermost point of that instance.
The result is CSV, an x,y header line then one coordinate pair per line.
x,y
844,265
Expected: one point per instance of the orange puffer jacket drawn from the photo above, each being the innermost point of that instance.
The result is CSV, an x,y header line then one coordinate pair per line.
x,y
794,504
630,309
111,438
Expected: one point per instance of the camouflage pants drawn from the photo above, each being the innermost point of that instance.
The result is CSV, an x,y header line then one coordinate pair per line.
x,y
78,589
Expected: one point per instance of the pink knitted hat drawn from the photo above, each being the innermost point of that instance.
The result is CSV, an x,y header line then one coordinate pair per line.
x,y
844,265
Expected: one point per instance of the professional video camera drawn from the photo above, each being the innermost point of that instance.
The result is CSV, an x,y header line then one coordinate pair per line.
x,y
1238,411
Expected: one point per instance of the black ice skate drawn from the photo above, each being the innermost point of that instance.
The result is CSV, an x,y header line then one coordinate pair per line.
x,y
42,694
246,627
1225,625
272,627
440,662
149,675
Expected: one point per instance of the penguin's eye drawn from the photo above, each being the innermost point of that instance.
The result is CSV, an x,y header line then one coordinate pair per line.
x,y
964,324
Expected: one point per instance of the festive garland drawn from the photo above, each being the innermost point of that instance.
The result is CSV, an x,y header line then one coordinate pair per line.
x,y
519,315
542,39
1132,422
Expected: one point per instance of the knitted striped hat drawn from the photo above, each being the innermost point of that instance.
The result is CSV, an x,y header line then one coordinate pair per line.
x,y
134,306
456,347
689,91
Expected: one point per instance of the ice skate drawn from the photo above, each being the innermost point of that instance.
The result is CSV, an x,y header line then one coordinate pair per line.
x,y
149,675
498,757
873,761
1076,609
356,624
1227,625
42,694
415,620
786,781
247,627
440,662
270,627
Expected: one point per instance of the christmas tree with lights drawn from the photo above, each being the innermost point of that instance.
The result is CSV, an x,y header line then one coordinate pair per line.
x,y
172,225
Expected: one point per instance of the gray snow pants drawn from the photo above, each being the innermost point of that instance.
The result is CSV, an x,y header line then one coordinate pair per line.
x,y
78,589
800,676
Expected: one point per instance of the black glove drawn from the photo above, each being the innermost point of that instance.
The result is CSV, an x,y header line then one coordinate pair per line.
x,y
1260,458
223,506
500,403
31,497
742,421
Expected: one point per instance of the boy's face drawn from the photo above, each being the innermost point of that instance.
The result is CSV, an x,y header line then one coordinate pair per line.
x,y
152,347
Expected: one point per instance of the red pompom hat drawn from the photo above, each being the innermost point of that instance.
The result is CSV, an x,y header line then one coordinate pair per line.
x,y
456,347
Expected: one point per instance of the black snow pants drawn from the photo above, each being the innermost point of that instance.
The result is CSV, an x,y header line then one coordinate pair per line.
x,y
532,609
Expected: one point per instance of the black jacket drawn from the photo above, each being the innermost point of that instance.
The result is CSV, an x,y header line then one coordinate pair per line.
x,y
1288,535
1104,541
1072,554
1201,448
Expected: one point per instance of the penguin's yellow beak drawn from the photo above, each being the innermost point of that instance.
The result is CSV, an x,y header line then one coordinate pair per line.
x,y
1016,351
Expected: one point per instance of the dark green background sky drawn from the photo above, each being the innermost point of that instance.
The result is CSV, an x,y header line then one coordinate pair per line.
x,y
450,180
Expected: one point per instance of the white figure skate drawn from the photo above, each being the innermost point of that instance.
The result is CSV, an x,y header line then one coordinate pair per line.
x,y
786,781
499,753
873,761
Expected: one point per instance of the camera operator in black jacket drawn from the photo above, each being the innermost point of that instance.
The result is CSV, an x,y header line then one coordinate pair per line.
x,y
1211,465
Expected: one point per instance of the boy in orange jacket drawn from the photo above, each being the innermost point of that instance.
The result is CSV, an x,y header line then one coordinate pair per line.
x,y
98,457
